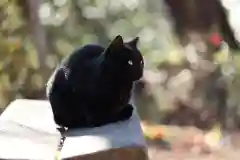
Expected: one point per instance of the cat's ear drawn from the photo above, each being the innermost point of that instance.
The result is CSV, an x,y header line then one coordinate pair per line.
x,y
115,44
134,42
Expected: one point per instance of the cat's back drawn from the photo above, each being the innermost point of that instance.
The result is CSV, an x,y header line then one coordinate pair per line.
x,y
82,67
83,55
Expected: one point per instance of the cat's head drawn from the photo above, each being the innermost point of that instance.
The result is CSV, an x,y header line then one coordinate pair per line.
x,y
125,57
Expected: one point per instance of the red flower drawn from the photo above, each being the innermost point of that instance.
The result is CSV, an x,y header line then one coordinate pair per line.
x,y
215,39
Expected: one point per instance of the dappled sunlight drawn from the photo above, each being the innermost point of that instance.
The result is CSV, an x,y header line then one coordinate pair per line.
x,y
188,97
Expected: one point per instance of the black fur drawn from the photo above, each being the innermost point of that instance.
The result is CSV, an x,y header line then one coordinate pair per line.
x,y
92,86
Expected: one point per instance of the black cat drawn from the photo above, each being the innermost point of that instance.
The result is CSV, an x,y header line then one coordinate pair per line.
x,y
92,86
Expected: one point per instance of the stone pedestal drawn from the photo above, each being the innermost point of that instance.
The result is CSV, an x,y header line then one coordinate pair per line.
x,y
27,131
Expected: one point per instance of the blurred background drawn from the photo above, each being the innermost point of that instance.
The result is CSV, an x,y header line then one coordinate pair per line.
x,y
191,81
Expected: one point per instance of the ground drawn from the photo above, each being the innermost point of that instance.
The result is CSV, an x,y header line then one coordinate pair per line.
x,y
188,147
169,155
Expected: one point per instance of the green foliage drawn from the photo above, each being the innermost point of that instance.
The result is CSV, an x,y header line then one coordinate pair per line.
x,y
70,24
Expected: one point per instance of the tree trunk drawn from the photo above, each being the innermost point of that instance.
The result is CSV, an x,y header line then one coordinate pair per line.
x,y
38,33
30,10
195,20
200,16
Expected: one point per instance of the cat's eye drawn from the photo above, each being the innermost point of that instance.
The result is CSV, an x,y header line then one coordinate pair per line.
x,y
130,62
